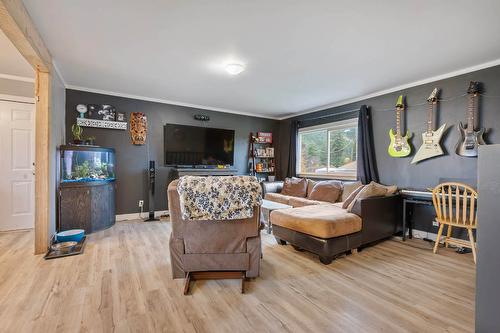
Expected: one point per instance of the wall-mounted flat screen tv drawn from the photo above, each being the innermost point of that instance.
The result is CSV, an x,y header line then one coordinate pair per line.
x,y
195,146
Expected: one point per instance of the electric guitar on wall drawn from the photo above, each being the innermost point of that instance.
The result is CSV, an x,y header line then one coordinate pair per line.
x,y
399,146
470,139
430,139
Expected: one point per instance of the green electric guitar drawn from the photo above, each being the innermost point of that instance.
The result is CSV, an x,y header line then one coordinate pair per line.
x,y
399,146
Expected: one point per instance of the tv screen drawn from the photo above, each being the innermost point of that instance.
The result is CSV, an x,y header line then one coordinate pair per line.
x,y
193,145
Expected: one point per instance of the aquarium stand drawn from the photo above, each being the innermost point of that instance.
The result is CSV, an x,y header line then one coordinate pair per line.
x,y
86,194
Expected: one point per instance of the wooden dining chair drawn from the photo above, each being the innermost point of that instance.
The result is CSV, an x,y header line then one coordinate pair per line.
x,y
455,205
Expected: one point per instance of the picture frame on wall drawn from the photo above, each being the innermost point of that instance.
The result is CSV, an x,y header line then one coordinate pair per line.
x,y
93,110
107,112
120,116
264,137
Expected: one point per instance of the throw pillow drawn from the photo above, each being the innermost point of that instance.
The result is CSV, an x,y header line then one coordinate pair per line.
x,y
326,190
296,187
310,185
369,191
349,187
391,189
351,197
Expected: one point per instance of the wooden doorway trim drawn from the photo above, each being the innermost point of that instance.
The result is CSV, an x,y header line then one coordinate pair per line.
x,y
16,23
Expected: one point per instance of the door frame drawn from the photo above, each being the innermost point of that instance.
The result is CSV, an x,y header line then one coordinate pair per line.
x,y
17,25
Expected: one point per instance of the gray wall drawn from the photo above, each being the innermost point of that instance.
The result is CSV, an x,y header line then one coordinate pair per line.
x,y
488,268
132,161
57,134
427,173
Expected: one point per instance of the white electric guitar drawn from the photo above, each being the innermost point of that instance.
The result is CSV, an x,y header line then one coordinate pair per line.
x,y
430,138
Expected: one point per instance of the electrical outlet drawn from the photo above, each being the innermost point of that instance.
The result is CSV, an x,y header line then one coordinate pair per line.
x,y
435,223
141,203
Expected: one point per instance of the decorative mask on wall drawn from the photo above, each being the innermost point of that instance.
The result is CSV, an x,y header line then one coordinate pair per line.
x,y
138,128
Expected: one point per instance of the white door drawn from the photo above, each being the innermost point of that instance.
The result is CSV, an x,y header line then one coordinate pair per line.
x,y
17,154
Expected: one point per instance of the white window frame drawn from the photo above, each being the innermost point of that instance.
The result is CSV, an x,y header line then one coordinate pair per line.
x,y
352,122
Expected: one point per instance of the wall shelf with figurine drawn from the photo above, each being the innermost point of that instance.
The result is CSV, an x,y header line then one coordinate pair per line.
x,y
261,156
100,116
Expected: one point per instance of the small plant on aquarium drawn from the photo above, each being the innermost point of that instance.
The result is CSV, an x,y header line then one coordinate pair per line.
x,y
90,140
77,133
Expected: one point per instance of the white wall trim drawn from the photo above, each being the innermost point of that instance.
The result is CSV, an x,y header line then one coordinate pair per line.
x,y
397,88
16,230
166,101
136,216
17,78
15,98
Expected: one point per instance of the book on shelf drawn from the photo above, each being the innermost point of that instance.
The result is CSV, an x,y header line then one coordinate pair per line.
x,y
264,152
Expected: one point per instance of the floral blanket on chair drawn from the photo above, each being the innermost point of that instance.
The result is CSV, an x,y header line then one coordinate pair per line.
x,y
218,197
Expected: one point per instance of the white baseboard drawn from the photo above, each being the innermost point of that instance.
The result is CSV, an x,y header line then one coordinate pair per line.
x,y
137,216
420,234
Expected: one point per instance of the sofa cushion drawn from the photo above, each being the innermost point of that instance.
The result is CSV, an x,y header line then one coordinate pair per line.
x,y
323,221
278,197
296,187
351,197
326,190
348,188
368,191
301,202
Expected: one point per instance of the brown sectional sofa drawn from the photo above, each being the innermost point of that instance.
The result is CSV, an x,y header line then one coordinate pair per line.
x,y
325,228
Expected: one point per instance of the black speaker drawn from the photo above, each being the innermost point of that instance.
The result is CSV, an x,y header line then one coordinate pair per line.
x,y
151,201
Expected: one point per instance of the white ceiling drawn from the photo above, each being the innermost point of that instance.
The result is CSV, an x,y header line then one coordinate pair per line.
x,y
300,54
11,61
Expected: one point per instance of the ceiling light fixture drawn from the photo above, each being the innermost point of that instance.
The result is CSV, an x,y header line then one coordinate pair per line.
x,y
234,69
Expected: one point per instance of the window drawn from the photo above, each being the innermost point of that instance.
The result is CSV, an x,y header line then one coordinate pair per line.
x,y
328,150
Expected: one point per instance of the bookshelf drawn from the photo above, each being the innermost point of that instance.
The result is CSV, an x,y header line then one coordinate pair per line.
x,y
261,156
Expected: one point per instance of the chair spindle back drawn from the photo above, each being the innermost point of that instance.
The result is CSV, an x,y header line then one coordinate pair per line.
x,y
455,204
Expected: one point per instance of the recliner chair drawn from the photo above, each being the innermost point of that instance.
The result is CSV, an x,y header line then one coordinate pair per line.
x,y
212,249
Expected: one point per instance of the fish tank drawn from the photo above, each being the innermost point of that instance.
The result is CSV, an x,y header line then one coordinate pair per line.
x,y
82,164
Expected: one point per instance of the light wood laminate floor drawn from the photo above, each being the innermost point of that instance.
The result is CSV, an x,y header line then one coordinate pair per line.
x,y
122,283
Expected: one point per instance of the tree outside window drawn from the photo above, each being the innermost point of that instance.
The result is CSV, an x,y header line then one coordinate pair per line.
x,y
328,150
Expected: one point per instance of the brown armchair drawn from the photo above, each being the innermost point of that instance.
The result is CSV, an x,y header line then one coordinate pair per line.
x,y
212,246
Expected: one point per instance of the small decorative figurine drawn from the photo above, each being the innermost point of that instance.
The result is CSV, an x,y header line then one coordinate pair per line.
x,y
138,128
82,109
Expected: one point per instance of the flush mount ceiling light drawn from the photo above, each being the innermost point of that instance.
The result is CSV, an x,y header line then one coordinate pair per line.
x,y
234,69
